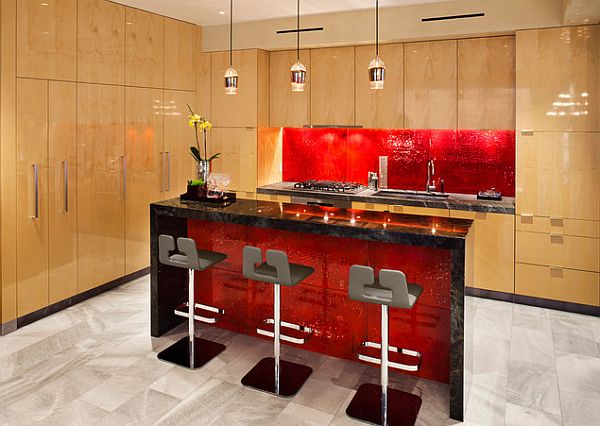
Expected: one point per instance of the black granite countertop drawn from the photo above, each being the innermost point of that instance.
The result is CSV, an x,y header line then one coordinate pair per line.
x,y
379,226
462,202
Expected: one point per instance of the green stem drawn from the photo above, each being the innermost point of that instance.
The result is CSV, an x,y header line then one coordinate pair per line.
x,y
205,150
197,140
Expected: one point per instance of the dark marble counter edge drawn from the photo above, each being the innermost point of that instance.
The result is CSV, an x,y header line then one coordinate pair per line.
x,y
505,206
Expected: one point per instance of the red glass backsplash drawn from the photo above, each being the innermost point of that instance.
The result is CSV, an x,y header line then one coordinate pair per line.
x,y
467,160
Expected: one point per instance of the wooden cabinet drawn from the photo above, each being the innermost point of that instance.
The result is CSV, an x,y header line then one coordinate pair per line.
x,y
380,108
101,42
204,85
180,55
145,49
238,149
100,184
558,87
62,195
486,83
288,109
332,86
144,180
419,211
47,39
430,79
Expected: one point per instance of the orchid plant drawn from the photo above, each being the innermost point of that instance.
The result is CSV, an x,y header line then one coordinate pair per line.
x,y
198,122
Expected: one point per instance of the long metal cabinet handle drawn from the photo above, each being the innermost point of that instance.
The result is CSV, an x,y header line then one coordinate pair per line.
x,y
168,171
66,184
124,177
36,192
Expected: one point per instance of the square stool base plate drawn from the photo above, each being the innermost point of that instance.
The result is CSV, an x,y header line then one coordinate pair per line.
x,y
403,407
291,377
179,353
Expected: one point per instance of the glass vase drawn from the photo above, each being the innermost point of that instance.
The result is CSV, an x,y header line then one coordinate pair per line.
x,y
203,170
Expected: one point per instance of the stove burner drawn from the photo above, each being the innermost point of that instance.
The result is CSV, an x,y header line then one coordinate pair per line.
x,y
329,186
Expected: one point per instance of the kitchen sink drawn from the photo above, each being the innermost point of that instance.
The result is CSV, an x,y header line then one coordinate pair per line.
x,y
409,193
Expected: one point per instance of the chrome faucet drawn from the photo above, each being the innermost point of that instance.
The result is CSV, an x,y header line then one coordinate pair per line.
x,y
430,186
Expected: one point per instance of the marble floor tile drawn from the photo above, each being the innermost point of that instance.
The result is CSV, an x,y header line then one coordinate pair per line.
x,y
578,374
111,394
489,354
321,395
339,372
532,345
487,400
77,413
253,408
179,382
146,407
574,337
579,409
533,386
298,415
521,416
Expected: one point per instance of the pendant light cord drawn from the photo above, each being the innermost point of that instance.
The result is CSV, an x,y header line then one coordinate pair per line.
x,y
298,33
377,27
230,33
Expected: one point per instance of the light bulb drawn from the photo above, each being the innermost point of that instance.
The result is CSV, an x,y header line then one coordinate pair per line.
x,y
231,81
298,77
376,74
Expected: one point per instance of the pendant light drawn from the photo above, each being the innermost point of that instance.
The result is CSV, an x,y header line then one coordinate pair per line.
x,y
231,75
298,70
376,67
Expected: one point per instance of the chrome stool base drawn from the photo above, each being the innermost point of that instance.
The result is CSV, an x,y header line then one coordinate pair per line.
x,y
181,353
292,378
402,407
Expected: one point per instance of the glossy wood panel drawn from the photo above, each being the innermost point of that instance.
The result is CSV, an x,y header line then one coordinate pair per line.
x,y
486,83
380,108
270,155
145,49
47,39
180,55
430,85
288,109
580,228
32,227
490,250
204,85
179,164
238,159
558,175
263,89
239,110
100,184
101,42
557,79
62,203
144,114
332,87
557,284
420,211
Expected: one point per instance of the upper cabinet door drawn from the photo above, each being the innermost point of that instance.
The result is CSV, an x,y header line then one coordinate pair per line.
x,y
47,39
145,43
430,85
101,42
332,87
203,85
380,108
486,83
288,109
558,79
180,55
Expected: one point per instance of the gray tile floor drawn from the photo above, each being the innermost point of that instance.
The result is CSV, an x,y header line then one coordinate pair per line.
x,y
95,363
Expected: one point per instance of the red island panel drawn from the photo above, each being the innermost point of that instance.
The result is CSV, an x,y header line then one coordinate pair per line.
x,y
340,325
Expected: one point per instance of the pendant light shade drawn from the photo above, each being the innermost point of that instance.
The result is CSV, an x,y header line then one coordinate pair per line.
x,y
298,70
376,67
231,75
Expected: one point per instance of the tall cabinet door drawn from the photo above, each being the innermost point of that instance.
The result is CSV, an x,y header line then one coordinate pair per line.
x,y
144,182
62,201
100,184
32,195
179,164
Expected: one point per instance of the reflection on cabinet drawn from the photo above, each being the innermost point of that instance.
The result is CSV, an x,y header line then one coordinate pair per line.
x,y
486,83
47,39
203,85
145,44
288,109
180,55
32,195
332,86
101,42
558,175
238,149
100,184
557,79
380,108
430,85
62,196
144,182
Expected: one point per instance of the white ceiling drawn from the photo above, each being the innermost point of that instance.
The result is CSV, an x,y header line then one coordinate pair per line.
x,y
206,12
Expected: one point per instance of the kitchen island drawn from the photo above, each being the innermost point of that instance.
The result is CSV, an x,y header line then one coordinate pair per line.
x,y
429,250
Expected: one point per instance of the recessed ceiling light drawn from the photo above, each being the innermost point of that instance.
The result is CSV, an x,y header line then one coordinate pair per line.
x,y
221,12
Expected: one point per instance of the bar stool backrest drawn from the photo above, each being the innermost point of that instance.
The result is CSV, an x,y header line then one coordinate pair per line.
x,y
186,256
391,289
275,270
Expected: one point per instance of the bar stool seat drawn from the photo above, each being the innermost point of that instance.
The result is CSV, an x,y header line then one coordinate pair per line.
x,y
191,351
374,404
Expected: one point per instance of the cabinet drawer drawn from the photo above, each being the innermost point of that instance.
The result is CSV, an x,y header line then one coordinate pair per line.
x,y
551,225
420,211
370,206
558,250
566,285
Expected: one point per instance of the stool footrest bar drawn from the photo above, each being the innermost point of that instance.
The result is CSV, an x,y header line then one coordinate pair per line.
x,y
202,313
391,349
300,338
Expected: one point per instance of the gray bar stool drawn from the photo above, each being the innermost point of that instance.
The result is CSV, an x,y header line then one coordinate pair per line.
x,y
378,404
191,351
272,375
